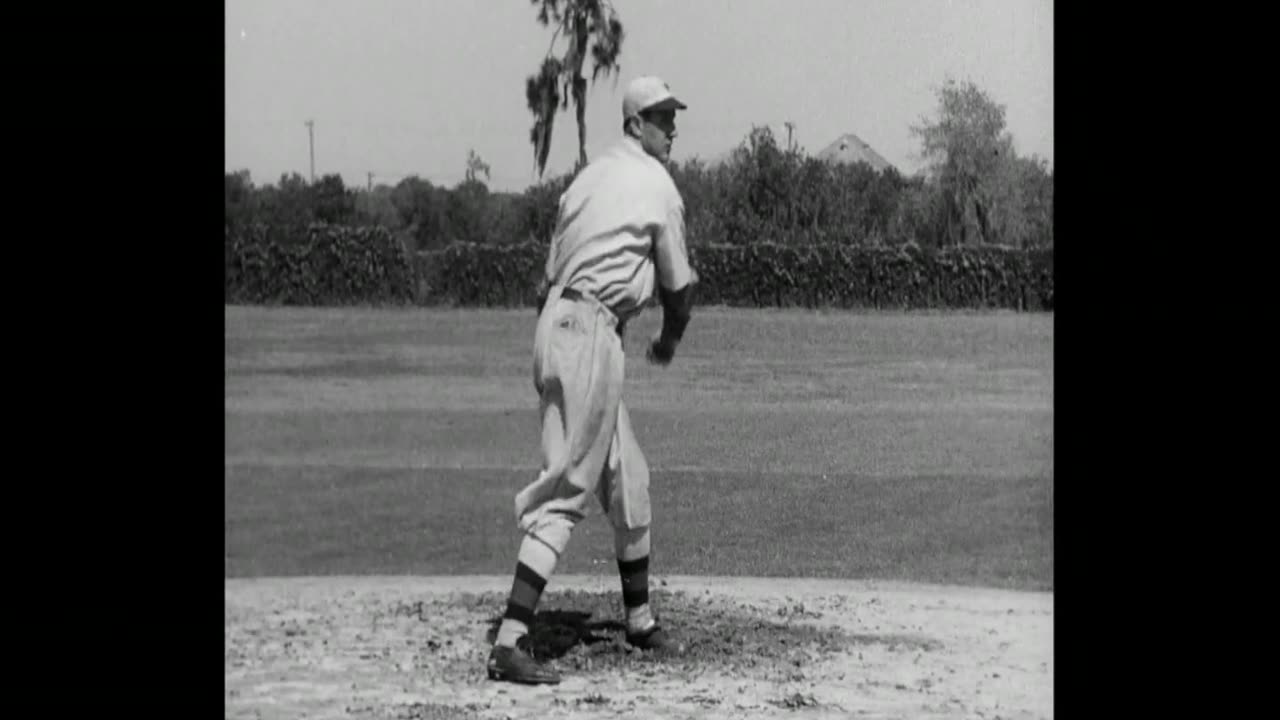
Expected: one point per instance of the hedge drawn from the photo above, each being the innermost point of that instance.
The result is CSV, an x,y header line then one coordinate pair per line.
x,y
321,265
469,274
337,265
775,275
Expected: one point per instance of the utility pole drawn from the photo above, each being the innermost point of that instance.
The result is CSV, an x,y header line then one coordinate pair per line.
x,y
790,126
312,138
370,182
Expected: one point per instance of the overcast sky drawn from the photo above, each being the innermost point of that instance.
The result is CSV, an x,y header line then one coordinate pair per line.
x,y
400,87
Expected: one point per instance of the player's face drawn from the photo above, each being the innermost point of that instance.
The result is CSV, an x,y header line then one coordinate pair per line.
x,y
657,130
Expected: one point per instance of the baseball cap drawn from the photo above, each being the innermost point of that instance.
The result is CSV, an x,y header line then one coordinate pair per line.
x,y
648,93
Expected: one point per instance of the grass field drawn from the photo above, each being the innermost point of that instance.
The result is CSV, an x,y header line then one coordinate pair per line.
x,y
783,443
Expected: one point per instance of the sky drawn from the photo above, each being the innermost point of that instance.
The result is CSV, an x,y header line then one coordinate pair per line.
x,y
408,87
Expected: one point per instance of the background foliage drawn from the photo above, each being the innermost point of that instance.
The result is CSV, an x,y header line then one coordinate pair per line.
x,y
767,225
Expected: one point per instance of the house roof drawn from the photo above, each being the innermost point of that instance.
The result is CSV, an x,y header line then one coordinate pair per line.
x,y
850,148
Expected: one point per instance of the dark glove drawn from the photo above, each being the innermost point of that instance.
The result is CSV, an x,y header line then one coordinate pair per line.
x,y
661,351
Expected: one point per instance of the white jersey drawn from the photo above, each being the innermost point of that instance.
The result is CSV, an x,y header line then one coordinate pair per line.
x,y
620,229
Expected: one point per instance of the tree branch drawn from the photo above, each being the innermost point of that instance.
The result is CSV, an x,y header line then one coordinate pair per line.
x,y
554,35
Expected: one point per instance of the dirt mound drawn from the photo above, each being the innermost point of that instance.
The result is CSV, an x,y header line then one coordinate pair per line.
x,y
581,632
415,648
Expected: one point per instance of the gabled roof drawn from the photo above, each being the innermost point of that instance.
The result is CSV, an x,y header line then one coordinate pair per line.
x,y
850,148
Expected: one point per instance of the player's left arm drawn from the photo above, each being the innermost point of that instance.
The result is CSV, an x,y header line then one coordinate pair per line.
x,y
676,282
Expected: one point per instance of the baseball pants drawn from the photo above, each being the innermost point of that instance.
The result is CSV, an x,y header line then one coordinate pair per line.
x,y
588,446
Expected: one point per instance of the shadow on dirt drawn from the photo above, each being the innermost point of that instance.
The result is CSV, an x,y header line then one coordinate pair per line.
x,y
896,642
555,632
583,631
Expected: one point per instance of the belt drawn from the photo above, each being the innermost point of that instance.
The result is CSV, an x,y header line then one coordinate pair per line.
x,y
575,295
566,293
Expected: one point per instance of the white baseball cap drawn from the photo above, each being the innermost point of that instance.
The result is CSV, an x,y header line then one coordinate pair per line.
x,y
648,93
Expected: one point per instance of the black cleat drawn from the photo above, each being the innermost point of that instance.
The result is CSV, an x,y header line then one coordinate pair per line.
x,y
515,665
655,638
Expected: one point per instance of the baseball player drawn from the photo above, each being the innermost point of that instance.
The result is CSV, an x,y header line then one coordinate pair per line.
x,y
619,238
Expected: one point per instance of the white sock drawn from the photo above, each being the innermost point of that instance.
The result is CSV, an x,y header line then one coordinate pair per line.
x,y
639,618
540,558
510,631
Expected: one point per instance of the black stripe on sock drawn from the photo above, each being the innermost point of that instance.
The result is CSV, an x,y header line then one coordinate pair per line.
x,y
525,591
631,567
528,575
520,613
635,581
635,598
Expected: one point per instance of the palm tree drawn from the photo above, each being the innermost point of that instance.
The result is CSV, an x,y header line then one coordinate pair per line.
x,y
592,24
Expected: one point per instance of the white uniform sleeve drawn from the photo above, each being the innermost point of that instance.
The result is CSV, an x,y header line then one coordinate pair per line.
x,y
672,258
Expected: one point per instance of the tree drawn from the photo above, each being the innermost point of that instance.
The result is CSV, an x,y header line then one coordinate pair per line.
x,y
421,208
374,207
331,201
916,218
287,206
1027,186
240,198
475,166
541,205
239,187
590,26
965,148
466,213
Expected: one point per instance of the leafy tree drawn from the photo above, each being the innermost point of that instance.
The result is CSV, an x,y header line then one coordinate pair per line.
x,y
466,213
1026,187
590,27
475,166
421,208
331,201
965,148
239,187
374,207
506,212
703,190
785,195
286,206
541,206
916,219
241,198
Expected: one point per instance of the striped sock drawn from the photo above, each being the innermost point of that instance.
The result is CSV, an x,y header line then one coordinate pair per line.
x,y
525,591
535,564
635,592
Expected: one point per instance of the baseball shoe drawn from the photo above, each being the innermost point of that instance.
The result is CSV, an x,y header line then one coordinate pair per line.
x,y
655,638
517,666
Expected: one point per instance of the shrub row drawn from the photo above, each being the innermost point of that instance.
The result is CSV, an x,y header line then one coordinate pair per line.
x,y
904,277
336,265
776,275
326,265
473,274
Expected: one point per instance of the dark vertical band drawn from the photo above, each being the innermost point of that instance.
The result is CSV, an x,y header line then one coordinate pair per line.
x,y
525,591
635,581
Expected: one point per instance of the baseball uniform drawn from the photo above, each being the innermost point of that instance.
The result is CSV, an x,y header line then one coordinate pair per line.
x,y
619,239
621,231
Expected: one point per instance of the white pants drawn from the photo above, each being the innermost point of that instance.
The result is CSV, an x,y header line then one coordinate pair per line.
x,y
588,445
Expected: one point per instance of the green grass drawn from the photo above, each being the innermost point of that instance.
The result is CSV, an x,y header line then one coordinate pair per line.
x,y
895,446
305,521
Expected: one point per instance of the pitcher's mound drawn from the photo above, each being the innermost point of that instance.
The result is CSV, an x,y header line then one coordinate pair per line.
x,y
411,647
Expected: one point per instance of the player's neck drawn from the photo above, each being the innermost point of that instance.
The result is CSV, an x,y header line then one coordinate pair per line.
x,y
634,146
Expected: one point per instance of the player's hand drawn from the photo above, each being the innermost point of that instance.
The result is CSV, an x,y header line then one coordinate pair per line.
x,y
660,351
